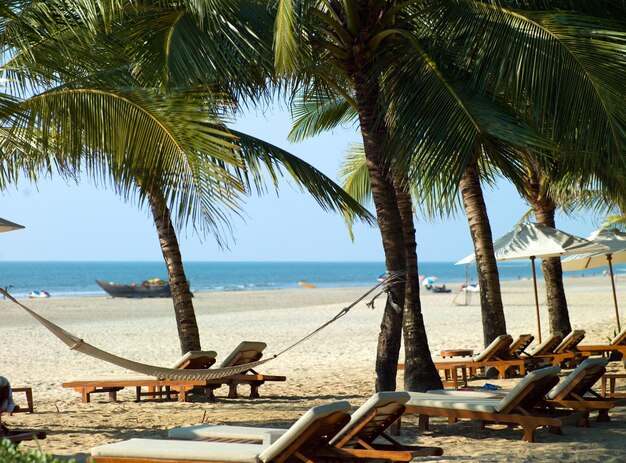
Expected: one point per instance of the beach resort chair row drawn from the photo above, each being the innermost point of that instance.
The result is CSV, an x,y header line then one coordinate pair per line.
x,y
328,433
509,356
146,386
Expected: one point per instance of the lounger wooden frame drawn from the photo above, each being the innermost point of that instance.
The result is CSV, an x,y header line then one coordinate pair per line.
x,y
519,412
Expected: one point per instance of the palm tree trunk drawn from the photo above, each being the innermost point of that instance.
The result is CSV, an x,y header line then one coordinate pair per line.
x,y
492,310
181,295
544,209
391,225
558,312
419,370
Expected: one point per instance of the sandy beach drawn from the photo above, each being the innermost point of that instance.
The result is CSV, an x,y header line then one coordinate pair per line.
x,y
337,364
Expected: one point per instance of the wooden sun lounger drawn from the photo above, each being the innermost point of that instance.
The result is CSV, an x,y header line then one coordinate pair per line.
x,y
576,391
496,355
156,388
566,353
245,352
617,344
368,423
517,408
307,441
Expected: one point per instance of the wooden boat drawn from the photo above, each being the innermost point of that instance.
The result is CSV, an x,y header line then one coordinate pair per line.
x,y
149,288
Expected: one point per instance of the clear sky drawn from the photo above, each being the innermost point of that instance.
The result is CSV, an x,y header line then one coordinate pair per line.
x,y
84,223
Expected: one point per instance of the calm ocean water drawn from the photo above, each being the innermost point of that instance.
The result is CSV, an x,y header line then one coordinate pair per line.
x,y
77,279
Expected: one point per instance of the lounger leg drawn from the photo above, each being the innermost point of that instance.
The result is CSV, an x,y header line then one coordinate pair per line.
x,y
232,391
254,391
603,416
556,430
423,422
452,419
209,393
112,396
529,433
395,428
85,395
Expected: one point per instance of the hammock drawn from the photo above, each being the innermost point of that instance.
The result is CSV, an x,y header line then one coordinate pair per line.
x,y
79,345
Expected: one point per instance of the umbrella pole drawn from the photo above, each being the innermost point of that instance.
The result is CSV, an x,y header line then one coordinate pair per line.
x,y
532,260
609,258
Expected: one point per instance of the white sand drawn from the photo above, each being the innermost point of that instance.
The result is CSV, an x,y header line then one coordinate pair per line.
x,y
336,364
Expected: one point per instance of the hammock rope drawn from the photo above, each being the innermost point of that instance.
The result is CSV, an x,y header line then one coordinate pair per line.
x,y
79,345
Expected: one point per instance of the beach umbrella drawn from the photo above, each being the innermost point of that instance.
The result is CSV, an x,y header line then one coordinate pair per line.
x,y
5,226
532,240
429,281
615,241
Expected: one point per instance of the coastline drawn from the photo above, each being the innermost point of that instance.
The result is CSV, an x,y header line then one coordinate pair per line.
x,y
336,364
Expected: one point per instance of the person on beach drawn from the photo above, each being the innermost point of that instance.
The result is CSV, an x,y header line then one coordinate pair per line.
x,y
6,402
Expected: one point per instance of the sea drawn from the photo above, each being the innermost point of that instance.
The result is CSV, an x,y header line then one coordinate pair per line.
x,y
77,279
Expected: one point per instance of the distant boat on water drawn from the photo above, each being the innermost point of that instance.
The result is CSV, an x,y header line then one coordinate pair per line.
x,y
38,294
149,288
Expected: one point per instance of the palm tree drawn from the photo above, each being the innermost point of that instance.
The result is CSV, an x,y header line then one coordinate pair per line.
x,y
170,149
453,138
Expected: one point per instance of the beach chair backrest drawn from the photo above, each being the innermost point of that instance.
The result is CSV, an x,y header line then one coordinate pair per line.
x,y
581,380
196,359
529,390
372,418
313,431
520,344
548,345
498,349
570,342
620,339
245,352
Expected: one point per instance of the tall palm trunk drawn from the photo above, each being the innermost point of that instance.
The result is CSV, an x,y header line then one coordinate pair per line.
x,y
374,133
188,333
558,314
419,371
492,311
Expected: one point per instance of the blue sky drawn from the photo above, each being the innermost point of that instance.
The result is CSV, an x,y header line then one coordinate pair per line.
x,y
85,223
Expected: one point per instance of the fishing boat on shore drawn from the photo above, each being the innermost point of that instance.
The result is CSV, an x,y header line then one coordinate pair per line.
x,y
148,288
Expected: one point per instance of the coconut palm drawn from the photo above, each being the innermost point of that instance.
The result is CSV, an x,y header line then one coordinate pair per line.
x,y
171,149
398,65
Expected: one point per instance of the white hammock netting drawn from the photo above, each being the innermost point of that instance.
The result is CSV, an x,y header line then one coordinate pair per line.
x,y
77,344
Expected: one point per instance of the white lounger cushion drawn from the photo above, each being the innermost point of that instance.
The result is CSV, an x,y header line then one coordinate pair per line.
x,y
180,450
218,451
567,339
528,379
378,400
477,403
211,431
580,370
243,346
491,347
193,354
479,394
301,425
450,402
269,435
549,340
